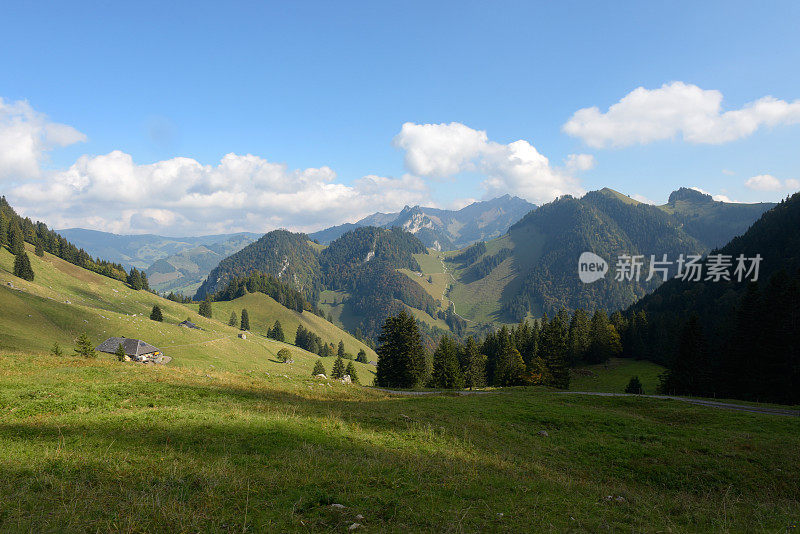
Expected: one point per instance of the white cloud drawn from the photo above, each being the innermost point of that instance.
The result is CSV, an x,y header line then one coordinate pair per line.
x,y
580,162
647,115
718,198
728,172
181,196
643,199
444,150
25,138
767,182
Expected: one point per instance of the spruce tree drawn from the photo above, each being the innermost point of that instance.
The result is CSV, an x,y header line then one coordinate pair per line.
x,y
340,350
510,366
120,353
446,367
689,372
16,241
578,342
553,350
634,386
401,357
4,224
362,356
245,324
351,371
319,369
135,279
233,319
156,313
338,368
205,308
276,332
56,350
39,248
474,368
84,347
22,267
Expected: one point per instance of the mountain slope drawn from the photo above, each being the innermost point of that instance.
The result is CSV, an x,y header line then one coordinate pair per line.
x,y
711,222
65,300
142,250
185,271
443,229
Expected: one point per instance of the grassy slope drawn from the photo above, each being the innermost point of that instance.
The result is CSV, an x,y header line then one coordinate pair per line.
x,y
98,446
38,315
613,376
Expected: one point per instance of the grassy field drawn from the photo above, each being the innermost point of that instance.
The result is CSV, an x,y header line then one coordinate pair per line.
x,y
613,376
99,446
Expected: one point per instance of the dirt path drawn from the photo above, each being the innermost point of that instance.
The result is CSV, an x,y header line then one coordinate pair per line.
x,y
702,402
445,291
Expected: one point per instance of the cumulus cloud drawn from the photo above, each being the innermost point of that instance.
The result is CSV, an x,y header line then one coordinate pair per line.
x,y
243,192
767,182
26,136
647,115
445,150
643,199
580,162
718,197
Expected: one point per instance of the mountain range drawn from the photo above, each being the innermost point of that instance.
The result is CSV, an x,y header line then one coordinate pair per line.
x,y
443,229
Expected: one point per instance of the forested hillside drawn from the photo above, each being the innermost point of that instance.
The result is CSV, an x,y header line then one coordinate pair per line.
x,y
730,337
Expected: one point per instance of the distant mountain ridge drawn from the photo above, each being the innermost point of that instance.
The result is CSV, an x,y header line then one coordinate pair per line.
x,y
443,229
142,250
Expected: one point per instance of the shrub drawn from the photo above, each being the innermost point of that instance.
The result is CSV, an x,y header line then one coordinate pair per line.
x,y
284,355
634,386
362,356
56,350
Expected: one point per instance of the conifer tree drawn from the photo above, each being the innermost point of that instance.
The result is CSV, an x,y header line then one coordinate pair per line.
x,y
361,356
340,350
553,350
22,267
84,347
4,223
156,313
446,367
39,251
401,357
56,350
578,342
276,332
338,368
474,366
689,373
135,279
245,324
634,386
16,241
205,308
120,353
351,371
233,321
604,341
319,369
510,366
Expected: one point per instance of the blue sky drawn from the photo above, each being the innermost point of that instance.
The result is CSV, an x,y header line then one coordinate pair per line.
x,y
325,89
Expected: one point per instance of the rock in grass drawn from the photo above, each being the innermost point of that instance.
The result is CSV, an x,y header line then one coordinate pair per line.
x,y
543,433
337,506
354,526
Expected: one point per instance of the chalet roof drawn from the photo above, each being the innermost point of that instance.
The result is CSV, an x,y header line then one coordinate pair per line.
x,y
132,347
189,324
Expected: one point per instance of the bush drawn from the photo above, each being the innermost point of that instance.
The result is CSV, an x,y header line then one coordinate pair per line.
x,y
634,386
362,356
284,355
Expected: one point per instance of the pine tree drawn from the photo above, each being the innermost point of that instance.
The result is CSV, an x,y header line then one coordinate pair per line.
x,y
120,353
510,366
446,367
362,356
401,357
56,350
474,366
351,371
245,324
689,372
205,308
16,241
553,350
84,347
233,319
4,224
22,267
578,342
340,350
156,314
276,332
338,368
604,341
634,386
319,369
39,248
